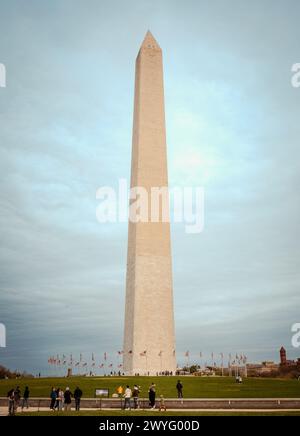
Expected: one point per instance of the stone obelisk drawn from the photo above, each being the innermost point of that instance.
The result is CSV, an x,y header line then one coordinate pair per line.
x,y
149,338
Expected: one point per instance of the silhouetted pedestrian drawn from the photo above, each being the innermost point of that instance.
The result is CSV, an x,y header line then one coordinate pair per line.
x,y
11,402
25,398
77,397
56,406
152,394
53,396
17,398
68,399
179,388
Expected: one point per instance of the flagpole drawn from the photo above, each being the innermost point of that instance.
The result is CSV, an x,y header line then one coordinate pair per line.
x,y
105,363
246,371
187,355
222,356
160,356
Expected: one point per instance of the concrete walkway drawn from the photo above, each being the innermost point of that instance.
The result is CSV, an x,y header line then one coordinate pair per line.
x,y
3,410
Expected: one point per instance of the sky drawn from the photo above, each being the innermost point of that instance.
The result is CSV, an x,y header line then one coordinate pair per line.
x,y
232,120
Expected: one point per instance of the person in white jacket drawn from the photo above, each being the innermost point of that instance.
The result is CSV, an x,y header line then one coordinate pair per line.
x,y
127,396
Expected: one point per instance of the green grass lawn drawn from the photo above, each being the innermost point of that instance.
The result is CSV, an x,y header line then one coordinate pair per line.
x,y
194,387
146,414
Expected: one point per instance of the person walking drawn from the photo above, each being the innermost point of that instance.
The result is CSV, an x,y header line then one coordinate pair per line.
x,y
179,388
25,398
11,402
17,398
53,396
77,397
127,396
152,394
56,405
60,399
135,394
68,399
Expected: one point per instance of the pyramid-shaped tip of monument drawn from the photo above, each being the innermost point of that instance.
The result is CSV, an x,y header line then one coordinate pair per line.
x,y
150,41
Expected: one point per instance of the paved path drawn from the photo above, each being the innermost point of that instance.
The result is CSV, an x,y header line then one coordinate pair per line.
x,y
3,410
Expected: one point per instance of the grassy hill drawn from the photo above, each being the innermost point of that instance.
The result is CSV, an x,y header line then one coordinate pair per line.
x,y
194,387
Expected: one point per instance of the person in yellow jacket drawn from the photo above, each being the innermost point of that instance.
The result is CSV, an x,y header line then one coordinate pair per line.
x,y
120,391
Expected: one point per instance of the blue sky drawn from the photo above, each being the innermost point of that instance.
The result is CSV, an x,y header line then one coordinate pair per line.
x,y
232,127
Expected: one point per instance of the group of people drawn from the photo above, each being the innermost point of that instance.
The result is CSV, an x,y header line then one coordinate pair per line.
x,y
128,394
14,397
135,392
60,399
238,379
63,399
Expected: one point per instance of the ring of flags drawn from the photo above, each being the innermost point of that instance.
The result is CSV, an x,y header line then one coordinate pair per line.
x,y
68,361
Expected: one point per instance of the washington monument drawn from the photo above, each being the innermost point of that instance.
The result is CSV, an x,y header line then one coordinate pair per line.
x,y
149,338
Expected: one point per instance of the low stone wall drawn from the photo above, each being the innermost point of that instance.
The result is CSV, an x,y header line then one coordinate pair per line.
x,y
197,404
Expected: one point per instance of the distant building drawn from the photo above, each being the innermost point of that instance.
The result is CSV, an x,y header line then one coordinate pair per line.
x,y
269,366
262,368
283,359
284,362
